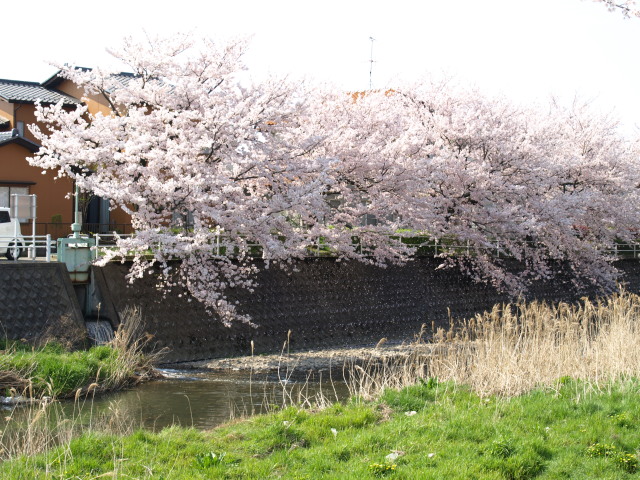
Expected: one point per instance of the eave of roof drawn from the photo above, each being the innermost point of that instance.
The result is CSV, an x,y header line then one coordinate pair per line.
x,y
19,91
15,182
7,138
55,79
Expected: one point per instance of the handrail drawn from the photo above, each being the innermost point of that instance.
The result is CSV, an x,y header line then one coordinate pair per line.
x,y
29,243
318,247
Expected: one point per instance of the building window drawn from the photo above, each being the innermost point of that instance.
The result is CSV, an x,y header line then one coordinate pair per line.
x,y
7,191
20,127
182,220
5,196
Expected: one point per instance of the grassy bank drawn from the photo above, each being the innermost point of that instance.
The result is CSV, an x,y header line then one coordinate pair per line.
x,y
525,391
430,430
50,370
53,371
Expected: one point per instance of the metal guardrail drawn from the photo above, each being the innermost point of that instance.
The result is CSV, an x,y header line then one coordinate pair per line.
x,y
625,250
105,240
61,229
30,243
318,247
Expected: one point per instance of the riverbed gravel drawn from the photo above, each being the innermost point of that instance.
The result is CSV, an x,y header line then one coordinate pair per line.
x,y
311,360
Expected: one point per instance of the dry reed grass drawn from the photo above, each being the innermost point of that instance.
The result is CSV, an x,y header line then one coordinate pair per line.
x,y
287,392
38,427
12,379
518,347
135,361
41,424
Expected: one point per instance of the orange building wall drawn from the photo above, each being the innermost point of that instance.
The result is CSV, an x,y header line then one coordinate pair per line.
x,y
26,112
95,103
119,216
6,110
51,193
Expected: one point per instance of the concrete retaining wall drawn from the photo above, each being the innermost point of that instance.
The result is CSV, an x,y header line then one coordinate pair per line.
x,y
323,303
38,303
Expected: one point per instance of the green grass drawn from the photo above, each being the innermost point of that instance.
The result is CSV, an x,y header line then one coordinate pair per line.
x,y
51,370
431,431
56,372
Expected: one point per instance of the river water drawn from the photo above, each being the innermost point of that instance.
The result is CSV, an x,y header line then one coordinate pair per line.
x,y
199,399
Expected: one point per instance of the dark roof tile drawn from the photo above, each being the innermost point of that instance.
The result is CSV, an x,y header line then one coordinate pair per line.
x,y
9,137
123,77
5,136
17,91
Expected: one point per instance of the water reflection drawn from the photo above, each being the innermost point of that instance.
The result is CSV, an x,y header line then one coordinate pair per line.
x,y
199,399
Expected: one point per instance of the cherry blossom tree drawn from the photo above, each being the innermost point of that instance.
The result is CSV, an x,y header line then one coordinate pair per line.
x,y
629,8
554,187
191,140
210,164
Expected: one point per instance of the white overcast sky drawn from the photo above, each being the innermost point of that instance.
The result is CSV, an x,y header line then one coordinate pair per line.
x,y
524,49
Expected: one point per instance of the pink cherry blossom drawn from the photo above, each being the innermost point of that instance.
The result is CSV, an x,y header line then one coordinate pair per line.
x,y
209,163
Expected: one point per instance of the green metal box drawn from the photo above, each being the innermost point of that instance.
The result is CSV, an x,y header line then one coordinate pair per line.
x,y
78,254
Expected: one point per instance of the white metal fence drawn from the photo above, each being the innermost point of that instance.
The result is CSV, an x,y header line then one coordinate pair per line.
x,y
423,246
29,247
42,246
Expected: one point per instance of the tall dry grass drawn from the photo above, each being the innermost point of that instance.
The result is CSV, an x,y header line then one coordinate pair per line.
x,y
37,427
43,423
135,362
517,347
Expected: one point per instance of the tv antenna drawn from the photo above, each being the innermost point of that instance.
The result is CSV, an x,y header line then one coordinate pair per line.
x,y
371,64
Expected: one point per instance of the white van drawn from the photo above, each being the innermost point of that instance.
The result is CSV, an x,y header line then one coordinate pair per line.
x,y
10,244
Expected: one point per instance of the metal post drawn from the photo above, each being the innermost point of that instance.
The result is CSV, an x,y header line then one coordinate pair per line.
x,y
76,227
48,240
33,227
16,222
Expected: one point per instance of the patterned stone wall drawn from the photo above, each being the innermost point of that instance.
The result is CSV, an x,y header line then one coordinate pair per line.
x,y
38,303
323,303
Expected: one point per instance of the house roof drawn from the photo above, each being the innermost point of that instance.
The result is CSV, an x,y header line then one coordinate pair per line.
x,y
12,137
18,91
123,77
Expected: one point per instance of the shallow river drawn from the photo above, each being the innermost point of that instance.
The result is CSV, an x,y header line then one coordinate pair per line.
x,y
194,398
